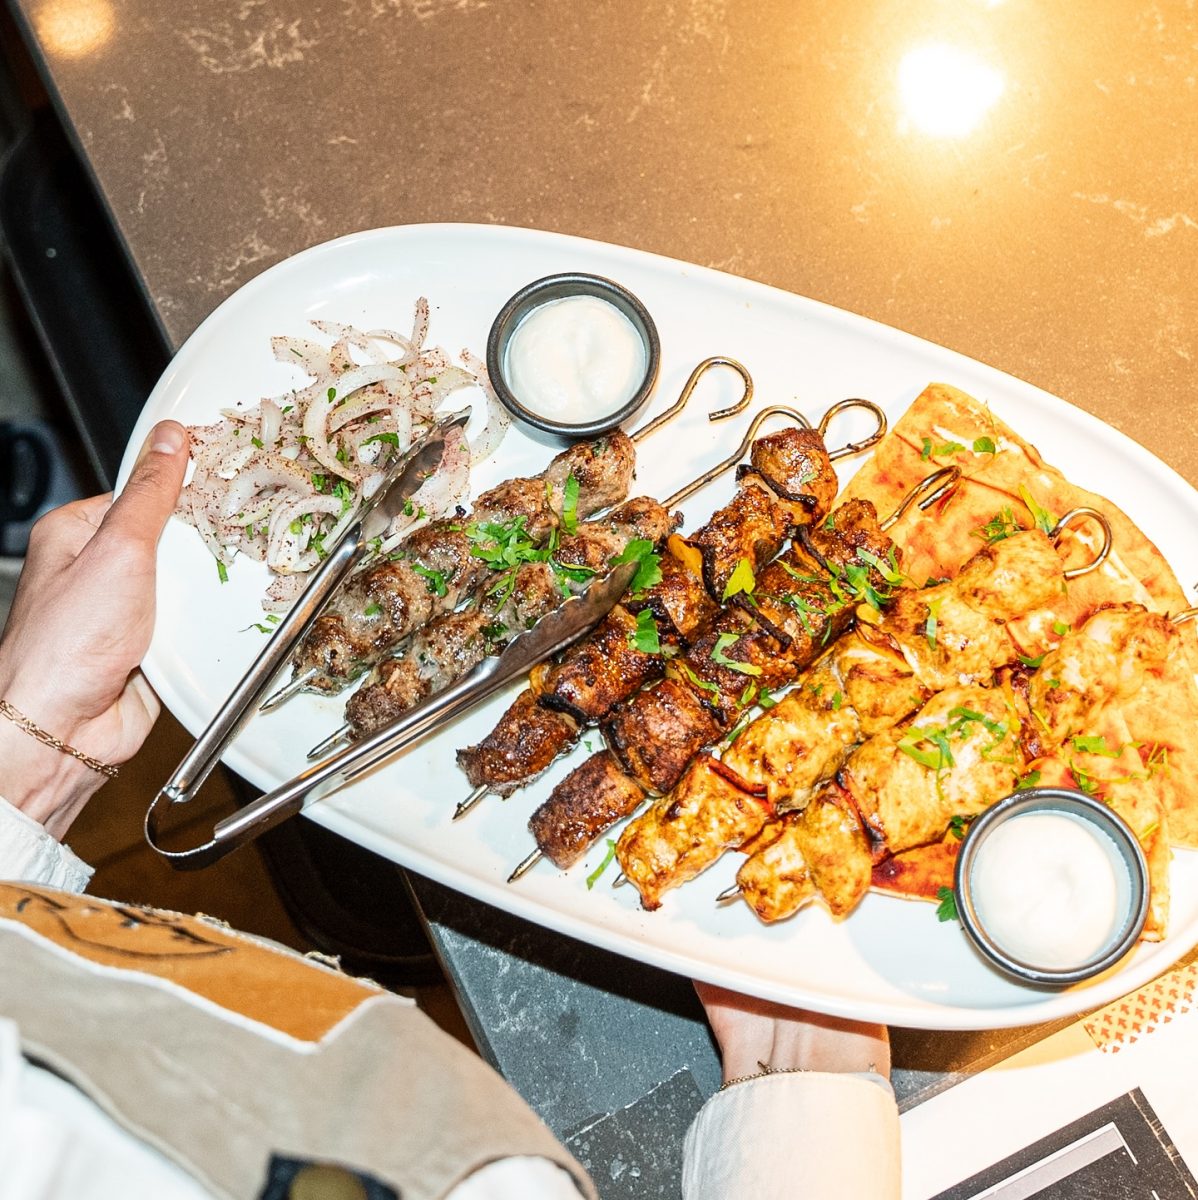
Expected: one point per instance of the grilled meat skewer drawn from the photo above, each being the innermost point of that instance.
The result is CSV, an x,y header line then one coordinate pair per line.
x,y
885,800
658,731
436,569
453,644
607,668
927,640
902,800
789,603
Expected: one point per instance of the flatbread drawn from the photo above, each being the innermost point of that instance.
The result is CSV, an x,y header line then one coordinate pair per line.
x,y
946,427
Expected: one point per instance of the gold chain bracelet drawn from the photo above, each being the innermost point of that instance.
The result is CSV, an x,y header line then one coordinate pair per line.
x,y
22,722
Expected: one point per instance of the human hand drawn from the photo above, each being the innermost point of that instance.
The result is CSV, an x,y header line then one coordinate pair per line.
x,y
79,626
755,1034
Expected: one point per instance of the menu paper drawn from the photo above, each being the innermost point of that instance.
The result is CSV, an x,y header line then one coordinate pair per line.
x,y
1103,1108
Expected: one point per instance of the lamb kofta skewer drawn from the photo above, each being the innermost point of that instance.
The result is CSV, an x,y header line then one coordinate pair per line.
x,y
438,565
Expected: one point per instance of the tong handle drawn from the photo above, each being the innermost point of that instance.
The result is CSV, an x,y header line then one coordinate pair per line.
x,y
319,780
199,761
552,634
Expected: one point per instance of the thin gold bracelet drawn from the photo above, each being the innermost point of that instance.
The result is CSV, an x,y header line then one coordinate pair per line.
x,y
22,722
766,1069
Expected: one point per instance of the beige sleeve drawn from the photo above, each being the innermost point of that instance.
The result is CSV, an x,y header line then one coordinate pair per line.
x,y
796,1136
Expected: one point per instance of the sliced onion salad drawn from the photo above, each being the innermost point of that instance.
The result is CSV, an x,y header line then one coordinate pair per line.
x,y
279,480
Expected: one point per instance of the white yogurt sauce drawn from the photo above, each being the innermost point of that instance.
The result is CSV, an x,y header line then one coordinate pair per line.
x,y
575,359
1046,887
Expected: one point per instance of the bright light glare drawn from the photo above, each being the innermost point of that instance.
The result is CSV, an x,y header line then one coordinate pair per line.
x,y
945,91
73,28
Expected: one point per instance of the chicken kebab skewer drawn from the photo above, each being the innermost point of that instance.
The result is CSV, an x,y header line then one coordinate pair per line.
x,y
966,748
928,639
759,640
789,481
439,565
517,596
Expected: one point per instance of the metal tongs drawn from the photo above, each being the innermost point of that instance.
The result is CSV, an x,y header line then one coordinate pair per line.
x,y
554,632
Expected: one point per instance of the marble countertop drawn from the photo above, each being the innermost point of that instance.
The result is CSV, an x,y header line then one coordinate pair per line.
x,y
1006,179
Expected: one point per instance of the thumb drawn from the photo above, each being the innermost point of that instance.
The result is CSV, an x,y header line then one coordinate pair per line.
x,y
141,510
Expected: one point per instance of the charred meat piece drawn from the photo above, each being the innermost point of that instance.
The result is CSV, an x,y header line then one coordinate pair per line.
x,y
657,732
592,800
752,527
443,651
731,661
524,743
795,463
679,602
603,669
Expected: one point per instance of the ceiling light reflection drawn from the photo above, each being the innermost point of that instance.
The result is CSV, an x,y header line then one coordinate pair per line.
x,y
73,28
946,91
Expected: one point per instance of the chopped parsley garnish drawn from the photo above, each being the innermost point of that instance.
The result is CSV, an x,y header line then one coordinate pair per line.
x,y
1031,662
593,877
391,439
984,445
1095,745
648,571
645,637
257,442
434,580
887,568
570,505
1002,525
1041,516
1027,781
222,571
926,452
344,491
915,744
946,910
933,622
742,579
1060,628
718,656
957,826
695,681
372,609
946,448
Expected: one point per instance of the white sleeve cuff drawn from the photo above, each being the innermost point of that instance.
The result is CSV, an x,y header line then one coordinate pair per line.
x,y
519,1178
28,854
810,1134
